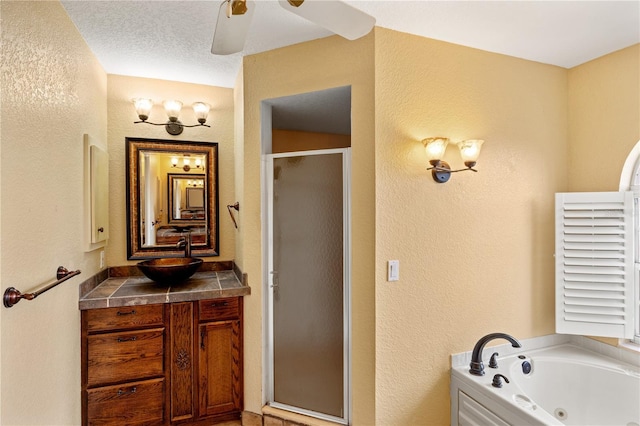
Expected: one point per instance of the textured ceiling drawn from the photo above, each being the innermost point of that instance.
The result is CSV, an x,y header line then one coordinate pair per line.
x,y
171,40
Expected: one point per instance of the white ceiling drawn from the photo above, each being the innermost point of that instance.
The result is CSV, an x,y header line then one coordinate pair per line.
x,y
171,40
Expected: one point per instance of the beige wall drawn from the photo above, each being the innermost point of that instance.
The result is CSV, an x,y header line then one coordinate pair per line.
x,y
238,124
121,115
604,119
53,92
317,65
296,140
476,253
473,252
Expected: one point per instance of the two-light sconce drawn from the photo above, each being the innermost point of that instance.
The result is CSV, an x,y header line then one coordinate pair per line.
x,y
440,170
173,126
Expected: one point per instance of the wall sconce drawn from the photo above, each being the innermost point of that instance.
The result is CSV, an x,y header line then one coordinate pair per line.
x,y
186,163
195,183
173,126
440,170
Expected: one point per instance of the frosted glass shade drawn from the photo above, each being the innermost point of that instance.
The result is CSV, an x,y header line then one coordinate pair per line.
x,y
470,150
173,109
435,147
202,111
143,107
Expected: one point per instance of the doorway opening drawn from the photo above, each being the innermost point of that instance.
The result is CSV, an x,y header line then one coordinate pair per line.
x,y
306,197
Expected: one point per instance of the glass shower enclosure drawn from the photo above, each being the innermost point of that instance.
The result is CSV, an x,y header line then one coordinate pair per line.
x,y
308,283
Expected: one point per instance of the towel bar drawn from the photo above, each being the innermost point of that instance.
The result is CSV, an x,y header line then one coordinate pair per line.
x,y
234,206
13,296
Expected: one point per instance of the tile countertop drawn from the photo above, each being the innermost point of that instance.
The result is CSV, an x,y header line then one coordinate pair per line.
x,y
136,289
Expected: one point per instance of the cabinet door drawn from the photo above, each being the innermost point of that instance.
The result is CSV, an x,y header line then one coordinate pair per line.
x,y
220,367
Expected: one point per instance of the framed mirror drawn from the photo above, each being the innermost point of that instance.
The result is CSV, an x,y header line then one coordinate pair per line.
x,y
172,190
187,199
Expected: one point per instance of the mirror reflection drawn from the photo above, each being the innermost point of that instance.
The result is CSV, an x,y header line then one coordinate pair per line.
x,y
172,191
186,198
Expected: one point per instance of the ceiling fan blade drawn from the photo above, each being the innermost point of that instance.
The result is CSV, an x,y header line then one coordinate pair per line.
x,y
231,32
335,16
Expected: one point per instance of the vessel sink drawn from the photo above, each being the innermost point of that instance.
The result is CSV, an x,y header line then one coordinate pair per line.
x,y
170,270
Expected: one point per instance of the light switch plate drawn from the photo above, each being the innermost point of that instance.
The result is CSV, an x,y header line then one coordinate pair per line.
x,y
393,270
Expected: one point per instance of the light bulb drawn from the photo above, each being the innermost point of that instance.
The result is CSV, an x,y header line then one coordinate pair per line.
x,y
470,151
202,111
143,107
173,109
435,148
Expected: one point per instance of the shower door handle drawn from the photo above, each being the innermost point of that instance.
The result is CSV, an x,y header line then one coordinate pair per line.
x,y
274,279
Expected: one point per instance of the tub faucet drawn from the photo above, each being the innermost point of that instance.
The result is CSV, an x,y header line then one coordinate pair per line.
x,y
185,242
477,368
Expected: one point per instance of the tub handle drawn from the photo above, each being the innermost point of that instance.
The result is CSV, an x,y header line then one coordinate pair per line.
x,y
497,381
493,362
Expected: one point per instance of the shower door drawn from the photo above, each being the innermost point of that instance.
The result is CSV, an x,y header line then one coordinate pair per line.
x,y
308,279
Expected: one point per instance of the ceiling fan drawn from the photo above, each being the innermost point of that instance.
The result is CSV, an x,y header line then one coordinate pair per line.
x,y
336,16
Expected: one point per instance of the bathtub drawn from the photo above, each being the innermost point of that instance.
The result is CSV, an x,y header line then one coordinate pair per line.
x,y
557,385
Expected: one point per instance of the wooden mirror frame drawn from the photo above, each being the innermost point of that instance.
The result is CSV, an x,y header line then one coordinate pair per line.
x,y
135,250
171,219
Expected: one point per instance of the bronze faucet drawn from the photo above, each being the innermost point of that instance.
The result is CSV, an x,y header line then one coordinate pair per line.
x,y
477,368
185,242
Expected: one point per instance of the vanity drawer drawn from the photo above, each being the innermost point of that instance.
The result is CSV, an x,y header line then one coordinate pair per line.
x,y
135,403
124,317
127,355
220,309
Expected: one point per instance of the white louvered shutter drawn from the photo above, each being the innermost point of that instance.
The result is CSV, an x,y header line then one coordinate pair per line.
x,y
594,264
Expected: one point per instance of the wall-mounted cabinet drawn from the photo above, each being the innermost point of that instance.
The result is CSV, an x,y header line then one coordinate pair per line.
x,y
96,194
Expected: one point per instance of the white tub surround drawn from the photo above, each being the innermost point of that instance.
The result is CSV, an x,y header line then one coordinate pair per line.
x,y
553,380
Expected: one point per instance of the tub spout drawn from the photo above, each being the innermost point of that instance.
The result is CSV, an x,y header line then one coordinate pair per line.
x,y
476,366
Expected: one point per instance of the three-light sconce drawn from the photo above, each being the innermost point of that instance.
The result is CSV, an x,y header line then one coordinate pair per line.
x,y
195,183
173,126
186,163
440,170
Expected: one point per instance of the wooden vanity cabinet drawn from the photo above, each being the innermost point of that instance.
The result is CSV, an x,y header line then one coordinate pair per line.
x,y
175,363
